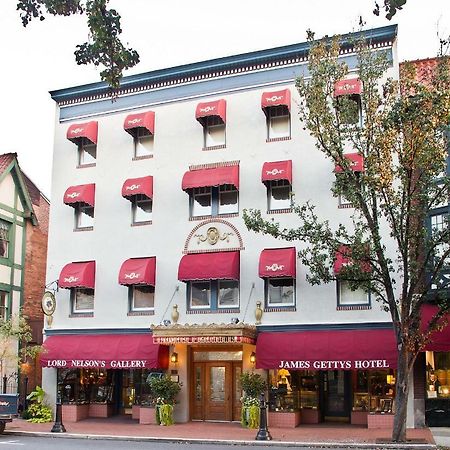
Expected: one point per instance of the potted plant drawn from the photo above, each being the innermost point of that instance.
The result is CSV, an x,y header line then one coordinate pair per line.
x,y
253,386
163,392
38,411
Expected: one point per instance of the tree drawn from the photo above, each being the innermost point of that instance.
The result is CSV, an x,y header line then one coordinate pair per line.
x,y
104,47
404,149
390,7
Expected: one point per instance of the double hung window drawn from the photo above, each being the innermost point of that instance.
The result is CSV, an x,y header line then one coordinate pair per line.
x,y
278,195
214,201
4,313
87,152
142,298
213,294
143,143
213,132
278,123
82,300
84,216
4,238
141,209
346,297
280,292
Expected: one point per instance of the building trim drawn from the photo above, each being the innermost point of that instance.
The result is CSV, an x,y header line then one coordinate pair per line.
x,y
76,331
326,327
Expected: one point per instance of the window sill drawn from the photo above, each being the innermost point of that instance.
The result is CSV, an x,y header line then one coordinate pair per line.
x,y
139,158
141,224
85,166
81,315
279,211
278,139
280,308
353,307
219,216
214,311
83,229
214,147
141,313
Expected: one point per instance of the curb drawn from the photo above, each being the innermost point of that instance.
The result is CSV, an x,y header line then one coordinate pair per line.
x,y
354,445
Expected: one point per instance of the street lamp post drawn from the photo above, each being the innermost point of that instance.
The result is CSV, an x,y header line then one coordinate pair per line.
x,y
58,426
263,433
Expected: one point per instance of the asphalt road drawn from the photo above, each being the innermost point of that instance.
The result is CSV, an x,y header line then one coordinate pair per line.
x,y
50,443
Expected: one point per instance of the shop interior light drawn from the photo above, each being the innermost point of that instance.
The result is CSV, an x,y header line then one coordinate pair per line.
x,y
253,358
174,357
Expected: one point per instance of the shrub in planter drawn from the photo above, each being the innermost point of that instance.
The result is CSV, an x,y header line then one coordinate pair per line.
x,y
38,411
163,392
253,386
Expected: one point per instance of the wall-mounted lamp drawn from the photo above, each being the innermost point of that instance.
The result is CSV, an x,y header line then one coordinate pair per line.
x,y
253,358
174,357
234,320
166,322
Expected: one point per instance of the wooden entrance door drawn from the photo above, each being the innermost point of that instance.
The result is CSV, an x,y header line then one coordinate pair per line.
x,y
215,390
336,395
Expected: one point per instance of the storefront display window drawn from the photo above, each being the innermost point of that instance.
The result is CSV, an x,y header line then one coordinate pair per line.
x,y
438,375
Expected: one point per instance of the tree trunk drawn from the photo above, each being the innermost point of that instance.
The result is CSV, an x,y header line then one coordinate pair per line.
x,y
401,396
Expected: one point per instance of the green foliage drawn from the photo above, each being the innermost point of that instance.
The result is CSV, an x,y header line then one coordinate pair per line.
x,y
390,7
38,411
164,414
252,384
104,47
163,390
37,395
250,416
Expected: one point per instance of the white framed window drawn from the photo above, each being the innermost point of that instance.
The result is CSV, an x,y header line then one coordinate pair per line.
x,y
141,208
84,216
278,122
228,199
439,222
201,201
228,294
278,194
87,152
213,132
4,238
142,298
82,300
200,295
143,143
4,313
347,297
280,292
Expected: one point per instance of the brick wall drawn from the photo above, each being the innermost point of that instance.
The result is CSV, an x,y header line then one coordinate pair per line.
x,y
74,413
284,419
380,421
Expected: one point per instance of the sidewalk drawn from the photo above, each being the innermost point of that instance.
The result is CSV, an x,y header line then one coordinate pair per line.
x,y
121,427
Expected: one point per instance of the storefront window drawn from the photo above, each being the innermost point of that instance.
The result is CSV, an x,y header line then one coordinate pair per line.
x,y
438,374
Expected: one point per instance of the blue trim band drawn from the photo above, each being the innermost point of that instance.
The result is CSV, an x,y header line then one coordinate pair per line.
x,y
97,331
325,327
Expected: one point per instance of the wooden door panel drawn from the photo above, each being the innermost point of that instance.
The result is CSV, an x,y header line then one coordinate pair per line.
x,y
218,391
198,393
237,390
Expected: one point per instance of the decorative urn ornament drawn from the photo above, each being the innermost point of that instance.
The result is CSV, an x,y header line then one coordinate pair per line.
x,y
258,313
175,314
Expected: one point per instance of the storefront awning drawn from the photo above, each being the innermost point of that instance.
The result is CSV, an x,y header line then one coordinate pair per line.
x,y
343,258
135,186
327,349
352,86
78,274
277,262
78,131
217,108
439,340
216,176
277,170
209,266
84,193
277,98
144,121
356,163
138,271
104,351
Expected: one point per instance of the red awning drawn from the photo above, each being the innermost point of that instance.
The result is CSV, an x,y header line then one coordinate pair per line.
x,y
278,98
327,349
78,274
145,121
88,130
209,266
277,262
138,271
343,257
277,170
208,109
85,193
135,186
104,351
356,163
348,87
217,176
440,340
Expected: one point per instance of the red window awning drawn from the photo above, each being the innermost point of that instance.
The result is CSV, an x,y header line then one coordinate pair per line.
x,y
356,163
138,271
343,258
217,108
84,193
277,98
351,86
135,186
277,170
144,121
277,262
327,349
216,176
78,274
209,266
78,131
439,340
104,351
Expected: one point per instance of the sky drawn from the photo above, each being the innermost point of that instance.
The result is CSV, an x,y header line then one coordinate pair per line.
x,y
39,58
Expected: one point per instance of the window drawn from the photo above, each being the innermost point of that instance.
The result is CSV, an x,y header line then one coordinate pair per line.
x,y
141,207
87,152
278,194
278,122
4,238
4,314
280,292
213,201
142,298
143,143
213,132
82,300
347,297
349,107
213,294
439,222
84,216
